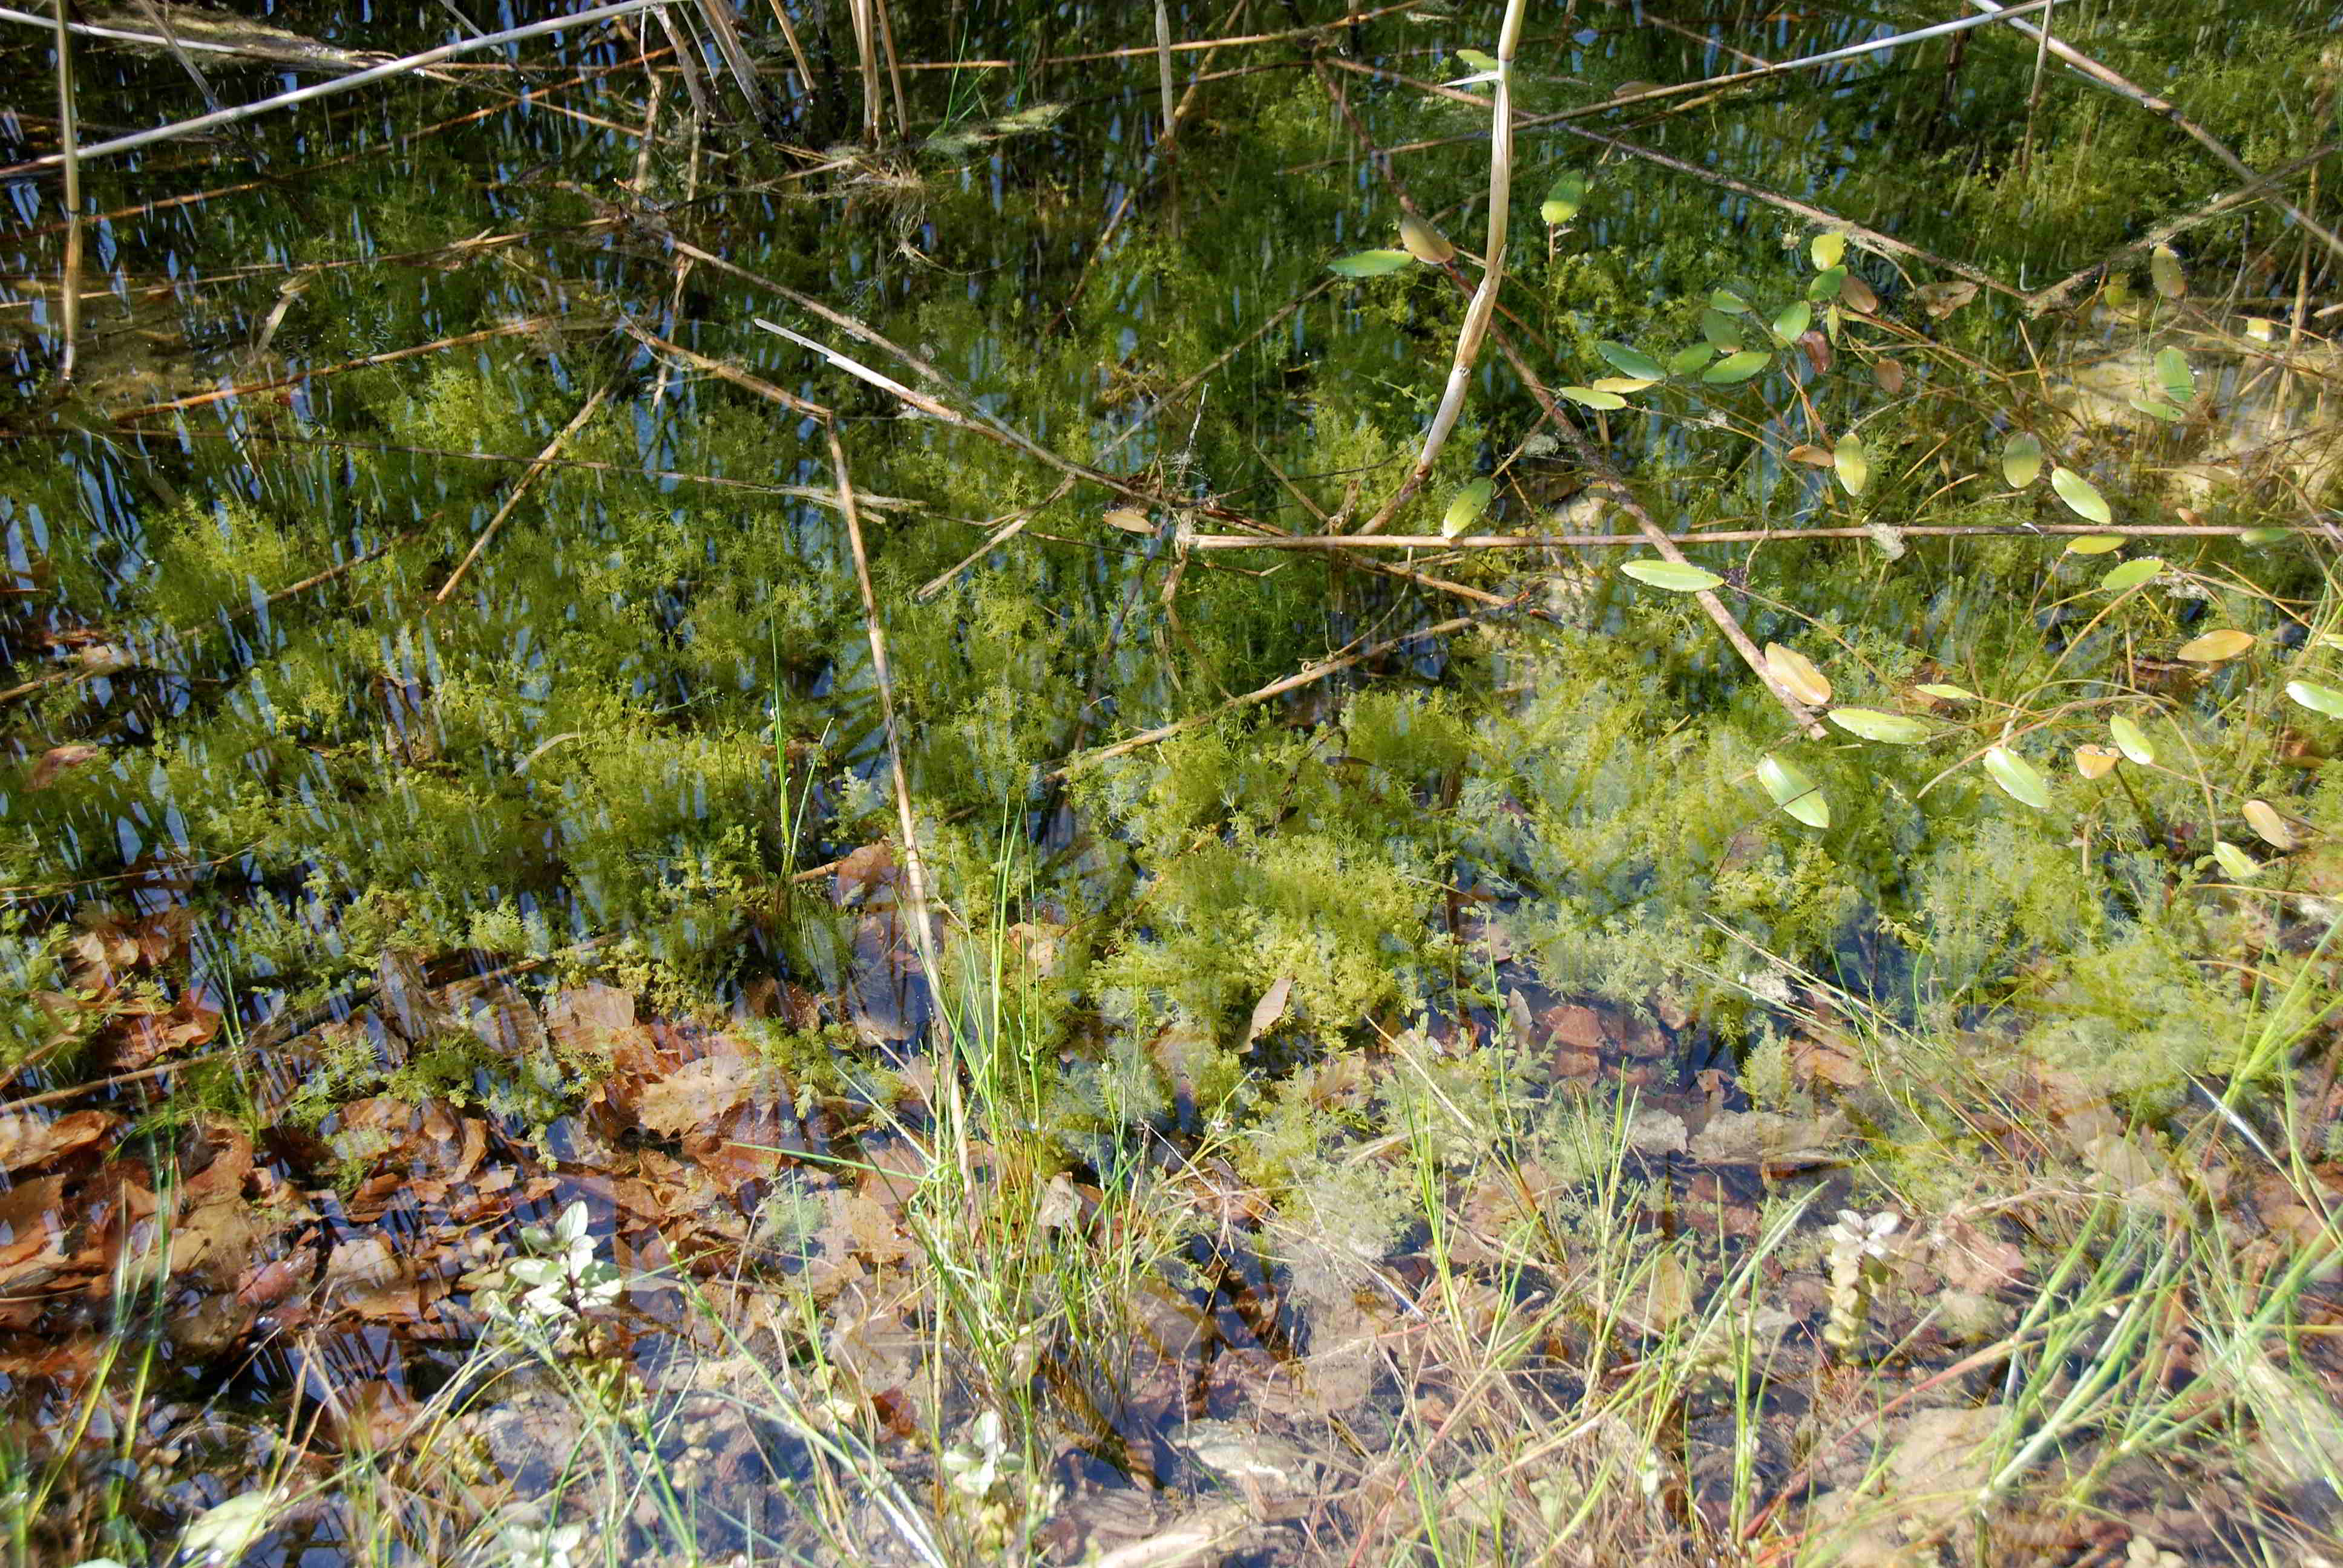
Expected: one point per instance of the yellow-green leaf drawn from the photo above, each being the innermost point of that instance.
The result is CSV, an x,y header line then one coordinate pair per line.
x,y
2316,698
1370,262
1594,397
1630,361
2268,826
1946,693
1795,319
2235,861
2215,647
1826,285
1794,791
2132,739
1621,384
2018,779
1734,367
2094,544
1893,728
1854,466
1827,250
2021,459
2164,271
2081,496
2131,574
1423,242
2096,761
1564,199
1794,673
1466,509
1676,576
2172,370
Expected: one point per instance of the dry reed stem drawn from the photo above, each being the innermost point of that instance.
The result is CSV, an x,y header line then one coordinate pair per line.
x,y
1483,303
894,71
797,50
1307,675
70,273
1135,51
404,65
202,399
1348,542
521,486
718,15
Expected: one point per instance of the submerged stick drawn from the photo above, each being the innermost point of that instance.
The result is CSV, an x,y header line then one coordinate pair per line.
x,y
521,486
1483,304
201,399
69,302
1347,542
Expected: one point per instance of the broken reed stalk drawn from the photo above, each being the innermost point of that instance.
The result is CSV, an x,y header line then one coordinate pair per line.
x,y
718,15
404,65
685,66
2103,76
865,53
1348,542
894,71
797,50
1170,114
220,395
521,487
915,877
69,301
1309,674
1483,303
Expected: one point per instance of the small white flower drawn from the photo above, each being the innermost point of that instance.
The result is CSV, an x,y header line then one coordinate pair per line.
x,y
527,1546
222,1535
1865,1237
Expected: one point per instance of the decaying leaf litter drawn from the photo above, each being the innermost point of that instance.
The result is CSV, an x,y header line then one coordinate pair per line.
x,y
1056,912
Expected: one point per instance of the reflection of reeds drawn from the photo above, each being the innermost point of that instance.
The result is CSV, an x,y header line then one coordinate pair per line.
x,y
69,298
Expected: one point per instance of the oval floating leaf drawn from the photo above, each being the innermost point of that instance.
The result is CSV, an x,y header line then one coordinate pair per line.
x,y
2164,271
2021,459
1894,729
1828,250
1946,693
1814,456
1370,262
1794,673
1629,361
2157,408
2081,496
1595,398
1479,60
1723,333
1622,384
1563,198
1826,285
2094,544
2018,779
1676,576
2132,739
2268,826
2131,574
2215,647
1727,300
1466,509
1794,791
2096,761
2265,535
1684,361
2235,861
2316,698
2172,370
1422,241
1793,321
1889,373
1737,367
1857,296
1853,466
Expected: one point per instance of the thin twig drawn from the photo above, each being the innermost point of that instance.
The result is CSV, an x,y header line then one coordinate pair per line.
x,y
69,274
521,486
200,399
1347,542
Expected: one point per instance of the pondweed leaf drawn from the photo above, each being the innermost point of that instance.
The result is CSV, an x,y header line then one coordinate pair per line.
x,y
1793,321
1737,367
1857,296
1478,60
1853,466
2235,861
1889,375
1794,673
2018,779
1794,791
2081,496
1893,728
1826,285
2172,370
1723,333
2265,536
1370,262
2157,408
1686,360
1622,384
2132,739
1814,456
1422,241
1946,693
1828,250
2096,761
2316,698
2215,647
2094,544
1563,198
2131,574
1676,576
1595,397
1466,509
1941,299
2164,271
1629,361
2268,826
2021,459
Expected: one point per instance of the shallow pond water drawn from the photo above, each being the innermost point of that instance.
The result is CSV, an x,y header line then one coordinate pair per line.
x,y
449,774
